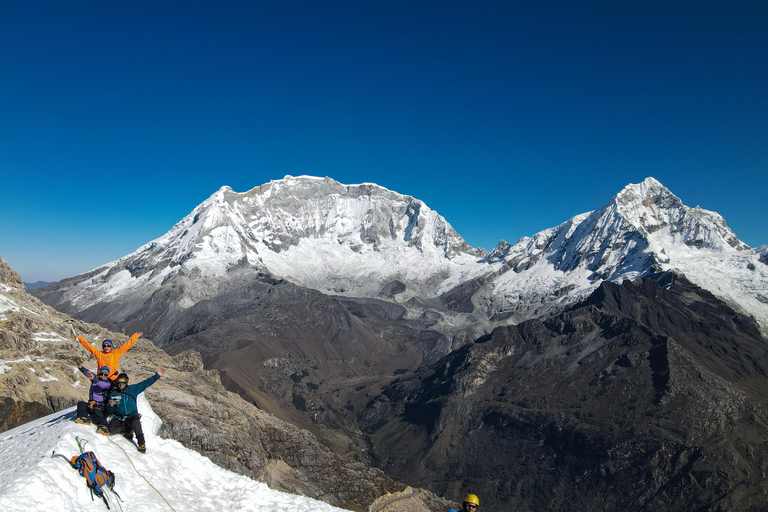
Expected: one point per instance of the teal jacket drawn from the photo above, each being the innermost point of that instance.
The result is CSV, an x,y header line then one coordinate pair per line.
x,y
125,401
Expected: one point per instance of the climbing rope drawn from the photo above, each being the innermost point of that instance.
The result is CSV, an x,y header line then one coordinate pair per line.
x,y
142,476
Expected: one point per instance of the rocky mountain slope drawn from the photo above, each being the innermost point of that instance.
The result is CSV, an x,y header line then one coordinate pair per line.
x,y
38,375
647,396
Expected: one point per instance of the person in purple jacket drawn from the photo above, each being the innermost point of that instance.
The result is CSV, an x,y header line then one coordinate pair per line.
x,y
97,399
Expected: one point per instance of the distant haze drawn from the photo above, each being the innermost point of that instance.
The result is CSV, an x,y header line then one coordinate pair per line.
x,y
38,284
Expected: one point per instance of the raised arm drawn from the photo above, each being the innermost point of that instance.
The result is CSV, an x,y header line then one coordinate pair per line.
x,y
87,345
141,386
85,371
128,344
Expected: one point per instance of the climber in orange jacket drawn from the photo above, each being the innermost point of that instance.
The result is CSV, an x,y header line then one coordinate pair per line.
x,y
109,356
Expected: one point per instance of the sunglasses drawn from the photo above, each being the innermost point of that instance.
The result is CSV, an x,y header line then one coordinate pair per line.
x,y
103,374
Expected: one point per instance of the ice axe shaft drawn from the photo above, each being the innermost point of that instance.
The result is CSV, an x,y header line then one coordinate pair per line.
x,y
72,325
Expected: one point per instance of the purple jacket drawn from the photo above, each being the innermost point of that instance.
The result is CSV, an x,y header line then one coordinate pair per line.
x,y
99,388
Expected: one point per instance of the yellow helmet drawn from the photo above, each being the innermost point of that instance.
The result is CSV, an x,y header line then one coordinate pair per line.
x,y
471,498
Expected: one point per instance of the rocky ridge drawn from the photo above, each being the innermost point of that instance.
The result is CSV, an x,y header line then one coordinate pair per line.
x,y
649,395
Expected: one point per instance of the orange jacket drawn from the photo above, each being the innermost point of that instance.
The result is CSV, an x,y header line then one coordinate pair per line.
x,y
111,360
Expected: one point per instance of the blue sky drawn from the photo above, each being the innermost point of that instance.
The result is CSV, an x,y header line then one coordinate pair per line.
x,y
506,117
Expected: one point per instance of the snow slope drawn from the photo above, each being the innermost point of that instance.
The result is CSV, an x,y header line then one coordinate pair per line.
x,y
168,477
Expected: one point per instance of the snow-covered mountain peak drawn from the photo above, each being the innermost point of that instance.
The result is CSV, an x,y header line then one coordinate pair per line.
x,y
643,229
315,232
662,217
284,212
649,187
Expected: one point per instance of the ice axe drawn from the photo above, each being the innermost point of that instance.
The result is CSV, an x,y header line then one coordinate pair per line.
x,y
72,325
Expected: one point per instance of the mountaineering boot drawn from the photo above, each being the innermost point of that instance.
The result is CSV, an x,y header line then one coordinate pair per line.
x,y
142,448
128,435
83,421
102,429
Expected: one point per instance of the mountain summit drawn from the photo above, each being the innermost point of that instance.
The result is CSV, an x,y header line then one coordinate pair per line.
x,y
643,229
262,225
149,481
662,217
315,232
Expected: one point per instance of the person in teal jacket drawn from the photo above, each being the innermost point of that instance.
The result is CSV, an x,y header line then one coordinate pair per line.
x,y
126,419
